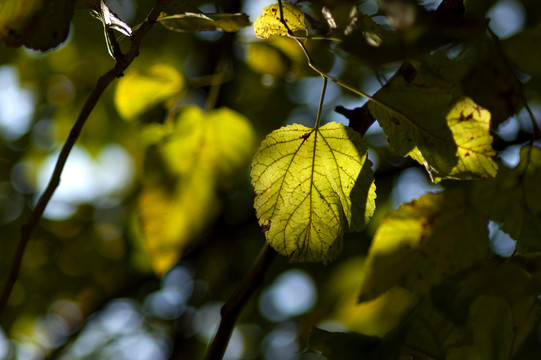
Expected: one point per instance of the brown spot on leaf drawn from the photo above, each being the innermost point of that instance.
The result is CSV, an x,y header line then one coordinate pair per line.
x,y
266,226
395,120
465,118
305,136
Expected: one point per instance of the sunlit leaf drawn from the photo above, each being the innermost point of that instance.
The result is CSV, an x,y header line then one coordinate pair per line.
x,y
269,22
170,220
196,22
140,90
429,120
513,199
221,141
276,56
36,24
202,152
424,242
470,126
311,187
376,317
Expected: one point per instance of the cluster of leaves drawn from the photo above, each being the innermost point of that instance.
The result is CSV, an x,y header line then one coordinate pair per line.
x,y
429,285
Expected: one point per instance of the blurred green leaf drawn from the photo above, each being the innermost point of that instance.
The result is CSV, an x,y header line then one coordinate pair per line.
x,y
346,345
36,24
196,22
202,152
312,186
140,90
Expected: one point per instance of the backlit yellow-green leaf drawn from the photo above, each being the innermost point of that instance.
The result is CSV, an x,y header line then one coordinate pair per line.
x,y
202,152
222,141
311,187
470,126
36,24
275,56
424,242
431,121
269,22
376,317
171,220
140,90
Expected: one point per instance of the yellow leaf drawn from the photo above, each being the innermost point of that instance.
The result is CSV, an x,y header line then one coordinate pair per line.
x,y
202,152
269,22
171,219
312,186
470,126
140,90
221,141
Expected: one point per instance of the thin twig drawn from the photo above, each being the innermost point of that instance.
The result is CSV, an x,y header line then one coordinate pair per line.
x,y
103,82
322,73
232,308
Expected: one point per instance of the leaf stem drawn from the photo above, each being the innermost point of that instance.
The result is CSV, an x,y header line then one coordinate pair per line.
x,y
314,67
232,308
320,107
122,62
536,130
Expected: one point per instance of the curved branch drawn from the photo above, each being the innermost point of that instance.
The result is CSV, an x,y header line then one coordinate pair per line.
x,y
232,308
103,82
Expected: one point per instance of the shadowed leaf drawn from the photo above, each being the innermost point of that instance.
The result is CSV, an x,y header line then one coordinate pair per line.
x,y
36,24
421,243
513,199
431,121
196,22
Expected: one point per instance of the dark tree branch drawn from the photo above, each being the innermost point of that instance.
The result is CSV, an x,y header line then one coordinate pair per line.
x,y
232,308
103,82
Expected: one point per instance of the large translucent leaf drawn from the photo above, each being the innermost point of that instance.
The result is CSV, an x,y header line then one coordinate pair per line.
x,y
429,120
196,22
424,242
513,199
269,22
36,24
140,90
311,187
201,153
